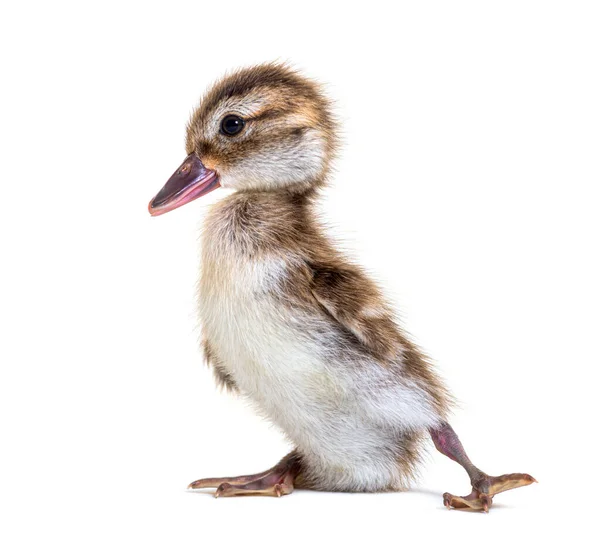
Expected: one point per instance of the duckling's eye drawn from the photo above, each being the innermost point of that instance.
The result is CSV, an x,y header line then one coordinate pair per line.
x,y
232,124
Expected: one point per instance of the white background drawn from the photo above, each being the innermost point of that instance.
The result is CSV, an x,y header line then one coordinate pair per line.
x,y
467,185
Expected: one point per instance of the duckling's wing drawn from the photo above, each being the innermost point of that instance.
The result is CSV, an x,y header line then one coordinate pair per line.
x,y
351,299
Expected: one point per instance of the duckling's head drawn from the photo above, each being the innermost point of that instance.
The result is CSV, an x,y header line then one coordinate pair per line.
x,y
263,128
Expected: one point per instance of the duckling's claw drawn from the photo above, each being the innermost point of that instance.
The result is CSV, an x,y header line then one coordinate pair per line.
x,y
474,501
447,499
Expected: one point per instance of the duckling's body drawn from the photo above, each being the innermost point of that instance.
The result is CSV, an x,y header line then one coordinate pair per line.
x,y
288,322
353,415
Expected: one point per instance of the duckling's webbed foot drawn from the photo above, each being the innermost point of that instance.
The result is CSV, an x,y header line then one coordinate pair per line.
x,y
484,487
275,482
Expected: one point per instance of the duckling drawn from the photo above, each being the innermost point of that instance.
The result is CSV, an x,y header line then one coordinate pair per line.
x,y
287,321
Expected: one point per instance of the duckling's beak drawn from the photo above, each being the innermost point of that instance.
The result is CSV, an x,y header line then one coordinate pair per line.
x,y
191,180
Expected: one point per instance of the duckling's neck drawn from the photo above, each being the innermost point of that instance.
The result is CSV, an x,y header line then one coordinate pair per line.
x,y
258,222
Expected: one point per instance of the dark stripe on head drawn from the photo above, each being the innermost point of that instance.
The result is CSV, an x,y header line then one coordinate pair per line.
x,y
271,74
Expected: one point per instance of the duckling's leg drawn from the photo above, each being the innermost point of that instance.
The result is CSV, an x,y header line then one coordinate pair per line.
x,y
274,482
484,487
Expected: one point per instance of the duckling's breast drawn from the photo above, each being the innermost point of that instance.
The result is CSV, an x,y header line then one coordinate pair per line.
x,y
270,349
